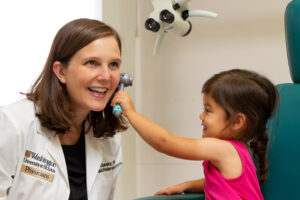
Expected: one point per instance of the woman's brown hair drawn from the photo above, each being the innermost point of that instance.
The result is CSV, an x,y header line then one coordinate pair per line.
x,y
247,92
50,95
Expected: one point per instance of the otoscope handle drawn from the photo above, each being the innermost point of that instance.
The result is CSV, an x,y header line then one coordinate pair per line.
x,y
117,110
125,80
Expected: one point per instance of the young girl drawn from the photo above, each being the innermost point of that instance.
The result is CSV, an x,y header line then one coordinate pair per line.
x,y
237,104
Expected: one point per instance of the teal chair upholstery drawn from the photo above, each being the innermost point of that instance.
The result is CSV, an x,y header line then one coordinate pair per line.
x,y
292,33
283,128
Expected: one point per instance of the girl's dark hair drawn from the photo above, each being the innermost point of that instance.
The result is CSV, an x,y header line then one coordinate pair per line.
x,y
247,92
50,95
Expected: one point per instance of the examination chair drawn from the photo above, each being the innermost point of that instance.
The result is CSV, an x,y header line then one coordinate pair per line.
x,y
283,128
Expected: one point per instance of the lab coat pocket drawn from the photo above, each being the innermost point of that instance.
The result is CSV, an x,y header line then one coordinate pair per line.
x,y
104,186
105,182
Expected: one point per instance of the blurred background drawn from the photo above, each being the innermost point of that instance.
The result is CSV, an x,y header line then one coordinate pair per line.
x,y
167,87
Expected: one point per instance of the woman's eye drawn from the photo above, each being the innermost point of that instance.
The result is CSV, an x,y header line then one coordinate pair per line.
x,y
114,65
91,62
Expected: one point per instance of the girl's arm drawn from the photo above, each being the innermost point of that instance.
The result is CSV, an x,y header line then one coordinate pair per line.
x,y
185,187
159,138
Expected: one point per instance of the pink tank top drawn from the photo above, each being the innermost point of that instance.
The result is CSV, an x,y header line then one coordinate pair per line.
x,y
245,187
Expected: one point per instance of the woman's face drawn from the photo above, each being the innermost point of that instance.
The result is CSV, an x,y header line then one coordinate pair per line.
x,y
93,75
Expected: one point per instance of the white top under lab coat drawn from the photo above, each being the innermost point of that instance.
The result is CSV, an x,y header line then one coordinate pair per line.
x,y
32,163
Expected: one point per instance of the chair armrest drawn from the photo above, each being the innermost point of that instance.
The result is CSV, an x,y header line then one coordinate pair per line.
x,y
187,196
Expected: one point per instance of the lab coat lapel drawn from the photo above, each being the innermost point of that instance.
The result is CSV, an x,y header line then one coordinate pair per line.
x,y
55,150
94,157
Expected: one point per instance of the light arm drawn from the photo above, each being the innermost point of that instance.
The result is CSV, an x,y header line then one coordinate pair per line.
x,y
158,41
202,13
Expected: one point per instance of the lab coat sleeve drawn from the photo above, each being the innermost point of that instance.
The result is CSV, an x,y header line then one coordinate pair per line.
x,y
9,152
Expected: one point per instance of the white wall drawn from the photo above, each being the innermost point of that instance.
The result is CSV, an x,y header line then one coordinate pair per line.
x,y
27,31
246,34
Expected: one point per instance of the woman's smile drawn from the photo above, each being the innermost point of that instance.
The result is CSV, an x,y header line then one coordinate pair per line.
x,y
98,92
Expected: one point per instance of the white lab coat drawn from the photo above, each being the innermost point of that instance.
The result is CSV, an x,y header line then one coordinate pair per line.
x,y
32,163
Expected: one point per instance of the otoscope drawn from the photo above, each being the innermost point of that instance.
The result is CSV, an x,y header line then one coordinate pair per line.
x,y
125,80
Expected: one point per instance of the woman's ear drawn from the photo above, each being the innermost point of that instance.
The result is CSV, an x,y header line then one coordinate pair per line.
x,y
239,123
60,71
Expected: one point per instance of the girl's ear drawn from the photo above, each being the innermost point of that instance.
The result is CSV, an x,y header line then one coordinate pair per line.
x,y
60,71
239,123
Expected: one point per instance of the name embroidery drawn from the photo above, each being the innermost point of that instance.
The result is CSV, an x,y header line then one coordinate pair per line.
x,y
37,173
108,166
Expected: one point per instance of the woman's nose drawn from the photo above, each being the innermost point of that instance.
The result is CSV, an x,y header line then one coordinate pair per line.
x,y
104,73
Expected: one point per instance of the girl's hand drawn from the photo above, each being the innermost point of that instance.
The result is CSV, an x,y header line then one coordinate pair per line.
x,y
174,189
185,187
124,99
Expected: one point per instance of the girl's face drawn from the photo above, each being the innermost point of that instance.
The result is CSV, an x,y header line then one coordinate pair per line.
x,y
93,75
214,119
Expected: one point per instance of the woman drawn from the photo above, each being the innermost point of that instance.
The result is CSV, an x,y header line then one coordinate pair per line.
x,y
61,142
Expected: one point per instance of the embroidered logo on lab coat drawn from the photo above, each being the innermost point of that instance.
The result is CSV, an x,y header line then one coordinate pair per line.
x,y
38,166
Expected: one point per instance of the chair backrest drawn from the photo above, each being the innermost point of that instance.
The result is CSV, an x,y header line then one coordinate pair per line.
x,y
284,126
